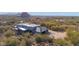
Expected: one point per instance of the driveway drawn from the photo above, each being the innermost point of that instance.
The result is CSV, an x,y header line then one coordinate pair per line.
x,y
57,35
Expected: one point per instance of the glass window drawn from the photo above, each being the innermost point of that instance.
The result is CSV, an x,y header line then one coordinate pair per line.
x,y
38,29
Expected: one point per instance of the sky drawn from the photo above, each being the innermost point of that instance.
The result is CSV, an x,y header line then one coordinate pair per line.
x,y
54,13
45,13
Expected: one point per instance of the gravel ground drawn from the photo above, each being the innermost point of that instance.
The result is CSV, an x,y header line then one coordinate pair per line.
x,y
57,35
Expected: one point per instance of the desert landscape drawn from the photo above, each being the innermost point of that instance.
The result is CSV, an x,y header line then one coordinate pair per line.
x,y
53,30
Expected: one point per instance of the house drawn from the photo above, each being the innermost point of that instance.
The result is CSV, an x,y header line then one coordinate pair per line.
x,y
60,20
33,28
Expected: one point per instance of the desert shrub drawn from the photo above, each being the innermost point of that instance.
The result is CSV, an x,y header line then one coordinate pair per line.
x,y
27,34
62,42
23,43
74,37
9,33
1,30
2,43
58,28
53,25
5,28
43,38
11,41
24,40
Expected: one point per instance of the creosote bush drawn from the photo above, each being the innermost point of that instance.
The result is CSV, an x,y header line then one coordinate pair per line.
x,y
43,39
62,42
74,37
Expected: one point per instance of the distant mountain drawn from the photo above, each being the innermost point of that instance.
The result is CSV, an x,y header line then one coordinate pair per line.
x,y
9,13
25,15
21,14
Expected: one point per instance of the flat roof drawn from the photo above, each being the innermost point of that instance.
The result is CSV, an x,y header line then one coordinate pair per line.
x,y
29,25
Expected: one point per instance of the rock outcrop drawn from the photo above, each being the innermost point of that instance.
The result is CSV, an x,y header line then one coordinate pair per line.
x,y
25,15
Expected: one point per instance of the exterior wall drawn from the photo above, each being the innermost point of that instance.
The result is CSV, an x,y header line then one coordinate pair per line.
x,y
37,29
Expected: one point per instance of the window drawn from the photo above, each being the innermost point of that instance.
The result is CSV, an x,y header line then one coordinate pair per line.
x,y
38,29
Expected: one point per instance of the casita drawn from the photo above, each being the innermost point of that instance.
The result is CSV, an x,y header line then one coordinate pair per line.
x,y
34,28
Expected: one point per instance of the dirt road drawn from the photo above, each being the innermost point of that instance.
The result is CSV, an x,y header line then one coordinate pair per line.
x,y
57,35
